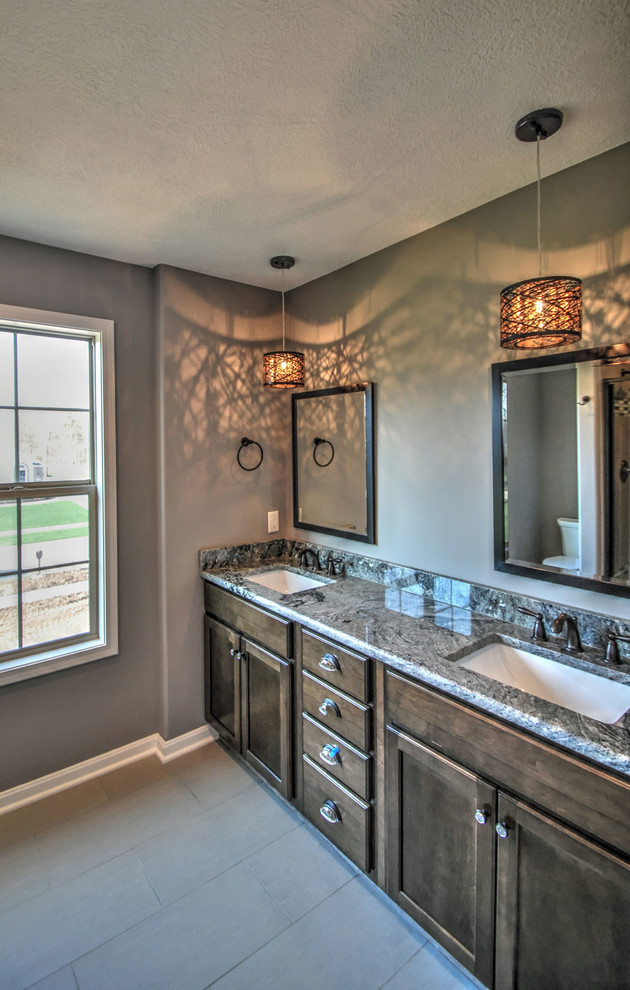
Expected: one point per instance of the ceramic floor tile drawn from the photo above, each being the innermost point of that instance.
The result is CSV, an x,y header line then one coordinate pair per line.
x,y
116,827
352,941
300,871
22,873
125,780
430,970
214,777
63,979
195,851
43,935
189,944
50,811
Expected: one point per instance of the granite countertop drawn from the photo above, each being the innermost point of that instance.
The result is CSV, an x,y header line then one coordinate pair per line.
x,y
422,638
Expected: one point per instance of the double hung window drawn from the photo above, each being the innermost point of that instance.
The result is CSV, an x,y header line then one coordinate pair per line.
x,y
57,492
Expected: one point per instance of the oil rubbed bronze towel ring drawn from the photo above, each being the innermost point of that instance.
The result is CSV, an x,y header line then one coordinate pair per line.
x,y
325,456
246,442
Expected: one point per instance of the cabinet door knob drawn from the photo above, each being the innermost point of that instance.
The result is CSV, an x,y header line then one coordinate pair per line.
x,y
481,816
328,706
502,830
329,662
330,755
330,812
233,653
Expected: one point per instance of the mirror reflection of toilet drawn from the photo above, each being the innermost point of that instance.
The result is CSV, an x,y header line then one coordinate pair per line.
x,y
569,559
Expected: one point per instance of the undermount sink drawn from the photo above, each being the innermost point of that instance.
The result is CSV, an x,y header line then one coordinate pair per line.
x,y
582,692
288,582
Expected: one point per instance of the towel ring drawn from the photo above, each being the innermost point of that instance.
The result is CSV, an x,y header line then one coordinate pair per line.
x,y
246,442
317,442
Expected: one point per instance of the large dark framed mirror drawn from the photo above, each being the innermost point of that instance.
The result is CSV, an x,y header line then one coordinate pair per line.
x,y
561,468
333,461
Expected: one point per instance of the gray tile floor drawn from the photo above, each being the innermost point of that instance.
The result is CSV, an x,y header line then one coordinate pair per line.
x,y
189,876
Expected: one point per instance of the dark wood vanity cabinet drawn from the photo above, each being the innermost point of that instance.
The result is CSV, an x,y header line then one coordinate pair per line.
x,y
523,899
335,735
248,687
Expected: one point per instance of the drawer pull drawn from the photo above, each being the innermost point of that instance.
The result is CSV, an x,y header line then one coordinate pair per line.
x,y
330,812
502,830
328,706
329,662
481,816
330,755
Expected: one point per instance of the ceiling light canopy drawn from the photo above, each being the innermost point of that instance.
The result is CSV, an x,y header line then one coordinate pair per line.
x,y
283,369
544,311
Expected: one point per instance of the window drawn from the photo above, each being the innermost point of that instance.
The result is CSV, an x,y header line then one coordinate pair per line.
x,y
57,492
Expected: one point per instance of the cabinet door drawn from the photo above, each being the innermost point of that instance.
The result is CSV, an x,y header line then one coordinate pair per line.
x,y
266,715
439,857
223,681
563,907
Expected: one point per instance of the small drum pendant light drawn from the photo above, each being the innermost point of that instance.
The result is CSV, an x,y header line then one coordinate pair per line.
x,y
283,369
543,311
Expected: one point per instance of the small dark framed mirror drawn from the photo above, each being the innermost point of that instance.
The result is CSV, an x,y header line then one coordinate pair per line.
x,y
561,468
333,461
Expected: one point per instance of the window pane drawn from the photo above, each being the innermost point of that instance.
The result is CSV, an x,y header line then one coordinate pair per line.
x,y
6,369
54,446
8,536
53,371
7,445
55,604
54,531
8,614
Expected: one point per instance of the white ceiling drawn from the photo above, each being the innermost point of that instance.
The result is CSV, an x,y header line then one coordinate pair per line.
x,y
213,134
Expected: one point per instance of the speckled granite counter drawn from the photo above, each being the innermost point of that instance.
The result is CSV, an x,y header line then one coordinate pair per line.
x,y
422,637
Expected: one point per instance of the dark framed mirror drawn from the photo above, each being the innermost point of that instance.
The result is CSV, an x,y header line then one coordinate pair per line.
x,y
561,468
333,461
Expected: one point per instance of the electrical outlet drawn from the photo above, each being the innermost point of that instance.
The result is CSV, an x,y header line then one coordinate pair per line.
x,y
273,521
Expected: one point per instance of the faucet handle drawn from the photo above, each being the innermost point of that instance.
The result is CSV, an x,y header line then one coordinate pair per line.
x,y
612,650
539,632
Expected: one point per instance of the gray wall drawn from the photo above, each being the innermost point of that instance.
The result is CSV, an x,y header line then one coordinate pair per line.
x,y
213,333
62,718
421,319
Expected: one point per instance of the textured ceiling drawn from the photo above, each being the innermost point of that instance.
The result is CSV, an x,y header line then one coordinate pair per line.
x,y
212,134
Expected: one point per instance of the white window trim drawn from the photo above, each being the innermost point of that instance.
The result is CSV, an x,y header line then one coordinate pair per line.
x,y
106,642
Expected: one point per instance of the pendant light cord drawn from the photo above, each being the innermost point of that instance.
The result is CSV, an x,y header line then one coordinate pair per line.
x,y
538,212
282,286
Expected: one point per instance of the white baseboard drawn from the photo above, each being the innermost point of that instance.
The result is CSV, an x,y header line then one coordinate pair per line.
x,y
165,749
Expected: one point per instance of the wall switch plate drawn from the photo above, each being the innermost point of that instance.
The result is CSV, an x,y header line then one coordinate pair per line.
x,y
273,521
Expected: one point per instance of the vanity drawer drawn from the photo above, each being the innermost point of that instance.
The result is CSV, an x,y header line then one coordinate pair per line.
x,y
350,672
338,711
350,767
352,830
255,623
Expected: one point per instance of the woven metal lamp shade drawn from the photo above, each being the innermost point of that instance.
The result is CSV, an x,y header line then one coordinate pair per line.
x,y
541,312
283,369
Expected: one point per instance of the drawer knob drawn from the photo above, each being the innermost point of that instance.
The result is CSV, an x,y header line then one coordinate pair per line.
x,y
329,662
327,706
330,755
502,830
481,816
330,812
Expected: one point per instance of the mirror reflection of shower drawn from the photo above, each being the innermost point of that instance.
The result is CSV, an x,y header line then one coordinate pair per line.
x,y
617,498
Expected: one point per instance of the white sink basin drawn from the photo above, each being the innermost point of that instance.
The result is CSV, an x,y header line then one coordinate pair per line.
x,y
582,692
287,582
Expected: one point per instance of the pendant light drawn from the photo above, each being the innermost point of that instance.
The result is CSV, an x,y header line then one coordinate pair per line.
x,y
283,369
543,311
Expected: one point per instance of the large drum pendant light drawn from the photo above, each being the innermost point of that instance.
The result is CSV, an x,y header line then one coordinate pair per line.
x,y
283,369
543,311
